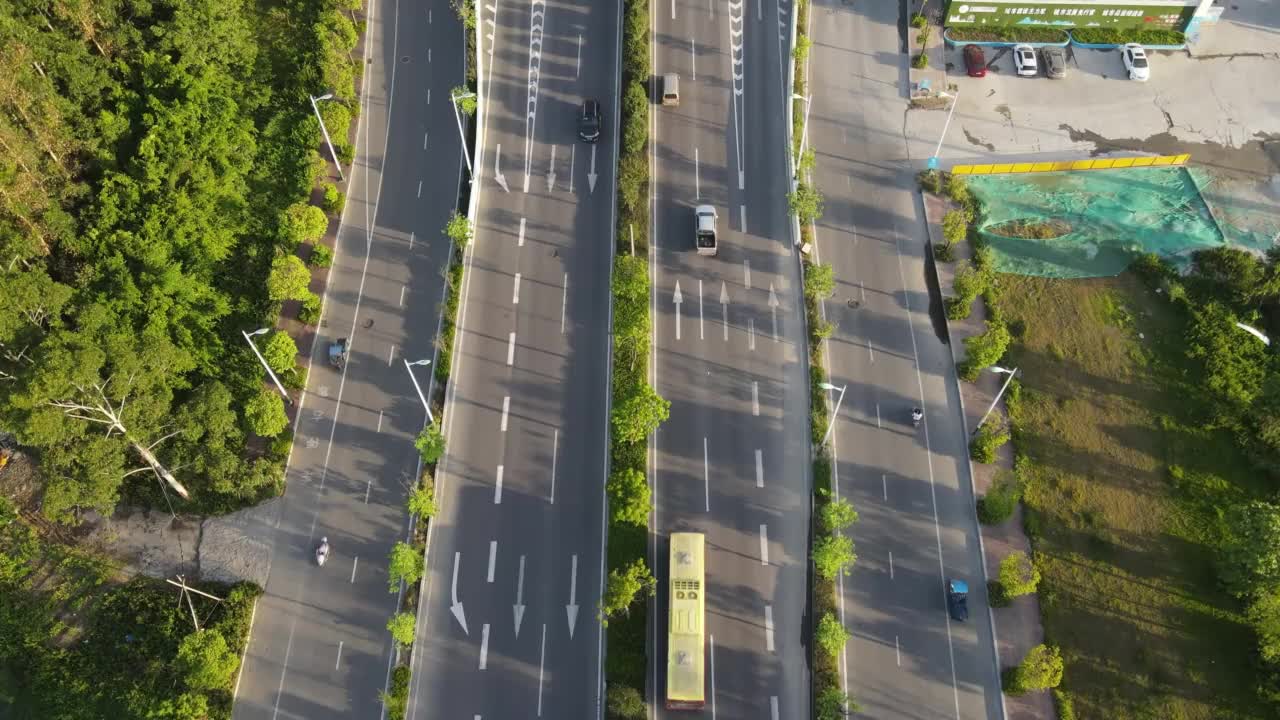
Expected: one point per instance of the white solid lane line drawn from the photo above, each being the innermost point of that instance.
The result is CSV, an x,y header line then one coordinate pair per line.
x,y
424,141
520,237
764,544
755,398
493,558
506,406
768,627
701,334
354,564
497,488
564,301
759,468
511,348
484,646
542,659
706,474
555,450
515,291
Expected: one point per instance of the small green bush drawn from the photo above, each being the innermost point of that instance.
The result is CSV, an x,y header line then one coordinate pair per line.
x,y
819,281
831,635
944,252
309,310
1018,574
918,20
346,153
955,225
430,443
1041,669
983,446
294,378
635,123
930,181
1001,499
280,444
958,308
801,50
996,595
321,257
334,200
984,350
625,703
1066,710
920,61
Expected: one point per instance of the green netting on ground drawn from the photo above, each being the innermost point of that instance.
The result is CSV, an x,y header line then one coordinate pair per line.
x,y
1107,217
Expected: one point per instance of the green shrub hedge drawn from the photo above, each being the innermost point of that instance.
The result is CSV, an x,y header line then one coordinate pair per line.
x,y
1120,36
1007,34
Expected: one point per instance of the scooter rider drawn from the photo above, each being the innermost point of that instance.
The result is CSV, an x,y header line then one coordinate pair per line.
x,y
916,416
322,552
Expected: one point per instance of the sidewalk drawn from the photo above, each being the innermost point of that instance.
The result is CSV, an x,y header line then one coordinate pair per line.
x,y
928,84
1017,626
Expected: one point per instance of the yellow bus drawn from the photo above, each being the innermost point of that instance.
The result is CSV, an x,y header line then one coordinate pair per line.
x,y
686,678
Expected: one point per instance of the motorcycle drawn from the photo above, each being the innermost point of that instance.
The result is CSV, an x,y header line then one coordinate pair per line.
x,y
322,552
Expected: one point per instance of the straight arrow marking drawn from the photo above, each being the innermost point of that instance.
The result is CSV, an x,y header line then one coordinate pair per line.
x,y
591,174
677,298
572,608
456,607
518,608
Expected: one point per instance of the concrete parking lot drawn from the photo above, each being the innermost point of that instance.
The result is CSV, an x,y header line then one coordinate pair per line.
x,y
1216,100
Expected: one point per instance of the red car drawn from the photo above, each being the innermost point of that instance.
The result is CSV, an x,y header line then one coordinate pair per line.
x,y
974,61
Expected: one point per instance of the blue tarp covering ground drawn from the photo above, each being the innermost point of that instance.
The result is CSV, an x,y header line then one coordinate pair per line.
x,y
1110,216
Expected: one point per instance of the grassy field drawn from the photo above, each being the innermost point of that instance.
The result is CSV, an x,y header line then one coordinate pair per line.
x,y
1123,483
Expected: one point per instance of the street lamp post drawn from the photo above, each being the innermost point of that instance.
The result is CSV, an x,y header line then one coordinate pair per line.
x,y
1255,332
325,130
804,131
933,161
836,413
466,154
409,366
248,337
996,369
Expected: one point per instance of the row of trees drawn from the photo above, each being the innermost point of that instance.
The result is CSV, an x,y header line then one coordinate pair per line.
x,y
155,156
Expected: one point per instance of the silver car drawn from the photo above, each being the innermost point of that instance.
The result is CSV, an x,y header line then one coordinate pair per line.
x,y
1055,61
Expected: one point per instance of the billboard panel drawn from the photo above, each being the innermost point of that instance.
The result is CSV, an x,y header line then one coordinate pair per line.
x,y
1081,13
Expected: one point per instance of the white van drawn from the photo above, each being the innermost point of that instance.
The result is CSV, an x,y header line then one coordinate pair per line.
x,y
671,89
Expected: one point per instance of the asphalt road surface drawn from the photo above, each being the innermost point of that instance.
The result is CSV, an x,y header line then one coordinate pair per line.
x,y
508,627
907,660
319,646
732,460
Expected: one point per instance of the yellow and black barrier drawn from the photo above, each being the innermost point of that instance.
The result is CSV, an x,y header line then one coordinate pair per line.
x,y
1069,165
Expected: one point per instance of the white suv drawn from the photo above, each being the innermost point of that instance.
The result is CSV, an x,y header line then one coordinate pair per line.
x,y
704,229
1135,61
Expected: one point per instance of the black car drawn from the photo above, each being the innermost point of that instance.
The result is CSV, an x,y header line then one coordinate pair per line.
x,y
958,599
590,121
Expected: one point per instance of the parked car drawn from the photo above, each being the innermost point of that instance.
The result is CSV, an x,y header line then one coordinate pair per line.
x,y
975,62
1055,61
589,121
1024,60
1135,61
958,599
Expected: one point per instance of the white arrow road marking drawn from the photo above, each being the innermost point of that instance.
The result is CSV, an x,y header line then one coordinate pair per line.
x,y
484,646
677,298
456,607
724,309
571,610
551,173
768,627
536,19
591,174
497,488
518,608
515,291
497,171
759,468
542,661
520,237
773,310
755,398
493,558
764,544
506,407
701,334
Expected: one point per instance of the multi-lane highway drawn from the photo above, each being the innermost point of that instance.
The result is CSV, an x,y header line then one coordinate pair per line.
x,y
732,460
319,646
508,624
907,659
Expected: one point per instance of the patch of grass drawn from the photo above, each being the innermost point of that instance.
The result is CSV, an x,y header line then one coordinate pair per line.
x,y
1007,34
1120,36
1125,542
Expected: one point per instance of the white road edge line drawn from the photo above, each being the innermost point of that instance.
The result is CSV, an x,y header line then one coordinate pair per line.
x,y
506,407
497,488
493,560
768,627
484,646
253,614
764,544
